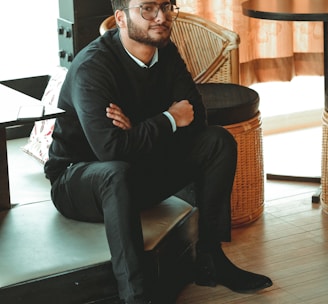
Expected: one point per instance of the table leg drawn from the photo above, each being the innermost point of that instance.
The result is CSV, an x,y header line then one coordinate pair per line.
x,y
4,179
325,35
316,196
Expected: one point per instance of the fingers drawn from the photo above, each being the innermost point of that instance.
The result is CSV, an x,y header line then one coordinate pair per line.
x,y
113,110
182,112
122,125
115,113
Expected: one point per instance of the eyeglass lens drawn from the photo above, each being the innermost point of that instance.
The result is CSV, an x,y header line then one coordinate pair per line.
x,y
150,11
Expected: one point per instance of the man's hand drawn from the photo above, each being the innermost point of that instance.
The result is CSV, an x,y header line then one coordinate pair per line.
x,y
182,112
119,119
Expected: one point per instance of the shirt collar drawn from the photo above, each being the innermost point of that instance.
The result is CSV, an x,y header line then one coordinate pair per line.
x,y
140,63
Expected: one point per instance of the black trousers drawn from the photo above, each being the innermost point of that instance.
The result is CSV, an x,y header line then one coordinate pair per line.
x,y
116,191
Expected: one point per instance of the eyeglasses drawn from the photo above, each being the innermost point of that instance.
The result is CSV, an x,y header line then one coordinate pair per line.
x,y
149,10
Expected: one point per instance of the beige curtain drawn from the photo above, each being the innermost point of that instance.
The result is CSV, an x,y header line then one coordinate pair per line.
x,y
269,50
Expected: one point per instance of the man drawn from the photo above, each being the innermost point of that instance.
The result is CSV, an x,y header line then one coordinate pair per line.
x,y
135,133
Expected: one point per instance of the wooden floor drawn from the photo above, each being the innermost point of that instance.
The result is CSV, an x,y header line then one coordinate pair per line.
x,y
289,243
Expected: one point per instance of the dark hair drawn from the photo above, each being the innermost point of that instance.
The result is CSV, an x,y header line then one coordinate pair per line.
x,y
119,4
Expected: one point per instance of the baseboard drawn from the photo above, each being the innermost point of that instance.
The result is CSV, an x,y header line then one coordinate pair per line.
x,y
291,121
84,285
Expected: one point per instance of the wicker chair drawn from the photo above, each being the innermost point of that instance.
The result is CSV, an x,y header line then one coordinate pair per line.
x,y
211,67
219,62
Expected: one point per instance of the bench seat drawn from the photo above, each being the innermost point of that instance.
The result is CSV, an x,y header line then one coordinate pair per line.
x,y
47,258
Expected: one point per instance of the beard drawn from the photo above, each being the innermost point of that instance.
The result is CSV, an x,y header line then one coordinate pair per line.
x,y
142,36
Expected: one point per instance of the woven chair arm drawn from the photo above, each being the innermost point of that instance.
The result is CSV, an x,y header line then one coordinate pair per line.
x,y
107,24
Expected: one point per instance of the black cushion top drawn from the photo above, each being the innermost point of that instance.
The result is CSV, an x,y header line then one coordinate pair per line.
x,y
228,103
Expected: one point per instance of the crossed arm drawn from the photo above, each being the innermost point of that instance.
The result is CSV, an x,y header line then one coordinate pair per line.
x,y
182,113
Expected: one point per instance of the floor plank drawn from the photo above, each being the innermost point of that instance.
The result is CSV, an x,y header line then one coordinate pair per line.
x,y
289,243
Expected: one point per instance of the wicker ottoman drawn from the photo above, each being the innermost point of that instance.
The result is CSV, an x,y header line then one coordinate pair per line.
x,y
237,109
324,163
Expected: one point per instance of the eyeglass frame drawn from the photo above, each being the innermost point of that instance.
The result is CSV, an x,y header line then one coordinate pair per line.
x,y
159,7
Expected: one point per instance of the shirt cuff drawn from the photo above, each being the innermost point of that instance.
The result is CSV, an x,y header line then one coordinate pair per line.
x,y
172,121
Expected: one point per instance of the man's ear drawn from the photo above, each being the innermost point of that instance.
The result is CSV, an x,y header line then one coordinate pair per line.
x,y
120,18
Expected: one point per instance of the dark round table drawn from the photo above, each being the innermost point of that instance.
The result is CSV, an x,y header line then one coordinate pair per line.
x,y
294,10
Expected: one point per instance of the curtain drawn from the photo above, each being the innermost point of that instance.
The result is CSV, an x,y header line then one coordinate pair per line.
x,y
269,50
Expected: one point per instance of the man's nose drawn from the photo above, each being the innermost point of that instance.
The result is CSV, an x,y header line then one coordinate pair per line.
x,y
161,16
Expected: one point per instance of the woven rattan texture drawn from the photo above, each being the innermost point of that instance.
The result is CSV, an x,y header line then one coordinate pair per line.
x,y
324,164
207,49
247,199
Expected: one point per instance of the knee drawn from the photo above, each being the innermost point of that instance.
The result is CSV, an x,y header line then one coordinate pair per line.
x,y
113,171
222,138
218,145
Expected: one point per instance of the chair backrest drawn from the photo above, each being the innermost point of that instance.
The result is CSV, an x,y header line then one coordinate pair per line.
x,y
209,50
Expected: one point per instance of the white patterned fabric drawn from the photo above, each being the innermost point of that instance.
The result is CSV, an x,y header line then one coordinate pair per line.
x,y
41,135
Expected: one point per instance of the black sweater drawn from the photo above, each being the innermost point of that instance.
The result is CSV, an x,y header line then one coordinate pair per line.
x,y
102,73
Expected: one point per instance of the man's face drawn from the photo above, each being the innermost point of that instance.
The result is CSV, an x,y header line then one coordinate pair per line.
x,y
154,32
